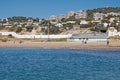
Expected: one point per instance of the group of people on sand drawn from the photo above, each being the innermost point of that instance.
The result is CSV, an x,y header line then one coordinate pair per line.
x,y
84,41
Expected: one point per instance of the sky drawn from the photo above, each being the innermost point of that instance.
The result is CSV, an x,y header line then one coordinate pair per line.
x,y
46,8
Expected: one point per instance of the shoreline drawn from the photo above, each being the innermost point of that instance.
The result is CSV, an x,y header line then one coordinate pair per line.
x,y
76,45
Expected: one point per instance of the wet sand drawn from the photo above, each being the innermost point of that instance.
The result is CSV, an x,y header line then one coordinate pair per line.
x,y
27,44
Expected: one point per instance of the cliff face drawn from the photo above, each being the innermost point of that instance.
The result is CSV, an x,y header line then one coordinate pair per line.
x,y
82,30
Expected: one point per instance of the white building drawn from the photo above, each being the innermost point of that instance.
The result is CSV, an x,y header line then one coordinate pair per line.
x,y
29,23
96,21
59,25
52,18
105,24
113,32
7,25
69,14
113,13
81,14
72,22
98,16
111,20
19,25
93,37
35,36
114,19
84,22
53,22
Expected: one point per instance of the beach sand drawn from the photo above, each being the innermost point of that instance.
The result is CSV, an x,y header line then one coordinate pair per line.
x,y
29,44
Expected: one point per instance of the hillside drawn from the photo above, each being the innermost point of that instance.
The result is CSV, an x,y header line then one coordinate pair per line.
x,y
82,30
88,23
104,10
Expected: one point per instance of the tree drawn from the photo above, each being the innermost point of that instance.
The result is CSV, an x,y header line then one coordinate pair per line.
x,y
2,27
45,22
69,25
29,28
89,25
18,29
78,21
103,29
12,28
54,30
63,20
105,21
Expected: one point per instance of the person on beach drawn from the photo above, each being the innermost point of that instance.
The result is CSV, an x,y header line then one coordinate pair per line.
x,y
20,42
85,42
14,42
82,41
107,42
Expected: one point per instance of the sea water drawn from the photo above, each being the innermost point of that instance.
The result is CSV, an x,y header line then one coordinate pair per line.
x,y
59,64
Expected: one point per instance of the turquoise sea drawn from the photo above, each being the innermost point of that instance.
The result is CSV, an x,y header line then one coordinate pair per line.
x,y
59,64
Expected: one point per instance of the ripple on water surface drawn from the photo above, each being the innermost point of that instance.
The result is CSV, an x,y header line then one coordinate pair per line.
x,y
59,64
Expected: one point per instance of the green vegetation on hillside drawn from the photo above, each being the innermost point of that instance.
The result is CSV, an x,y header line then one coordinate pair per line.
x,y
20,23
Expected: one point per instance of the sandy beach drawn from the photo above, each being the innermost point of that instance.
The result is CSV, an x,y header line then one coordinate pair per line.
x,y
28,44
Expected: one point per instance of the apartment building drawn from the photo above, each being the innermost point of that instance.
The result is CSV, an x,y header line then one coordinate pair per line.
x,y
98,16
69,14
114,14
53,17
81,14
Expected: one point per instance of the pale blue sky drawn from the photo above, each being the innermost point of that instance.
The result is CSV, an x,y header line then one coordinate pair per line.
x,y
45,8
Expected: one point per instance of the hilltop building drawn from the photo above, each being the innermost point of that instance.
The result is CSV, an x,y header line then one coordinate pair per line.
x,y
52,18
99,16
84,22
81,14
69,14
